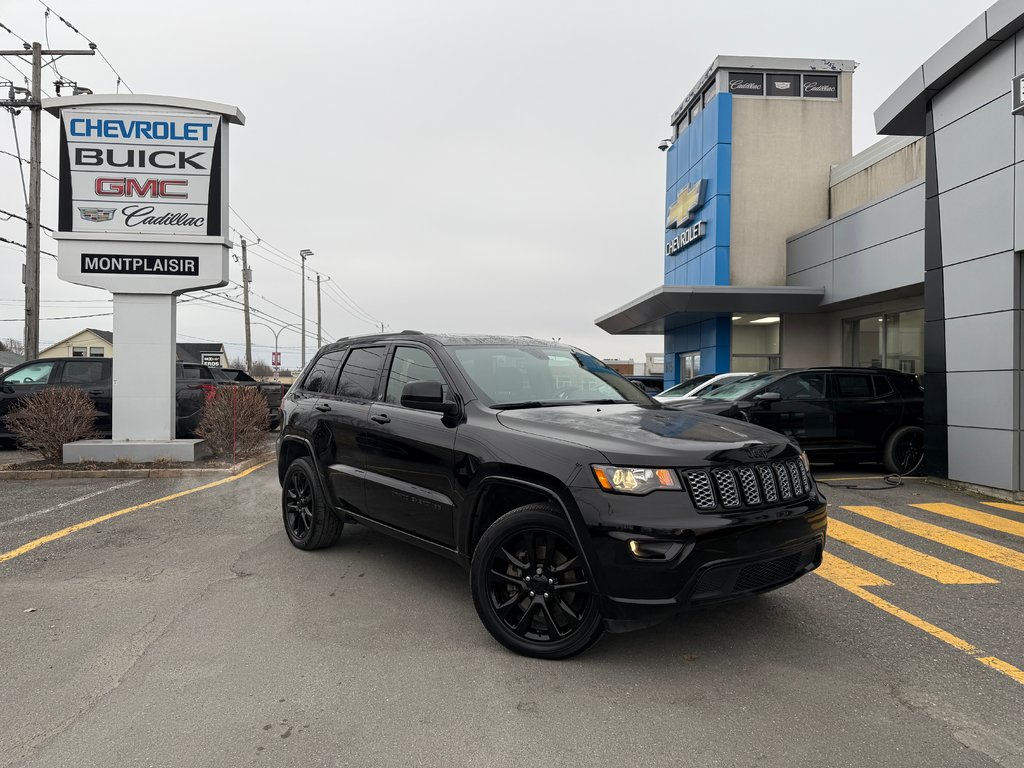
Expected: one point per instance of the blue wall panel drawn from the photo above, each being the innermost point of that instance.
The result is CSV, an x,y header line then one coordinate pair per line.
x,y
703,150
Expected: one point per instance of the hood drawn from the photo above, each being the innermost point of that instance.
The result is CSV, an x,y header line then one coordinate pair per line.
x,y
634,435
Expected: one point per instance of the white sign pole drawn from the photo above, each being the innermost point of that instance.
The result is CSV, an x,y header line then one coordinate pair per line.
x,y
144,214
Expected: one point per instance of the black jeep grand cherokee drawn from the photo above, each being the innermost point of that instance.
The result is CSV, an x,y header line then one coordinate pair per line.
x,y
577,502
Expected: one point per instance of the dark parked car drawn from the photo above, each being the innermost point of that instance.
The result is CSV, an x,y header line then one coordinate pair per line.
x,y
652,385
842,415
273,392
577,502
94,375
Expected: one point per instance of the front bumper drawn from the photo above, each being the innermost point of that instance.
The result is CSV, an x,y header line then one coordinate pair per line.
x,y
721,558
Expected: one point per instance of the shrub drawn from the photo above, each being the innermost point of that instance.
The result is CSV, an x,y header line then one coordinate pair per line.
x,y
45,421
234,421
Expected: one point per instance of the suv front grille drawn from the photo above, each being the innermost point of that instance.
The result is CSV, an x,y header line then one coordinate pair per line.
x,y
747,485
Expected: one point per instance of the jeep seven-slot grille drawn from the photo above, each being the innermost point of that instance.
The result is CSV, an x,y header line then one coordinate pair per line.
x,y
748,485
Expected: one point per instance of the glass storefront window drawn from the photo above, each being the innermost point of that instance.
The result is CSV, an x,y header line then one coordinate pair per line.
x,y
689,365
893,340
755,343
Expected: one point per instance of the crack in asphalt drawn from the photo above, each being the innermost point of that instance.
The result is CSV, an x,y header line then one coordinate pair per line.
x,y
970,733
32,747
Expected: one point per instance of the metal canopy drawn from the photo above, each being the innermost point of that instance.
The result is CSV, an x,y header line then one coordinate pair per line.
x,y
672,306
903,113
231,114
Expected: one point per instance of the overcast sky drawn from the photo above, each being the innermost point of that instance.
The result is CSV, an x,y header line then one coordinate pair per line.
x,y
454,166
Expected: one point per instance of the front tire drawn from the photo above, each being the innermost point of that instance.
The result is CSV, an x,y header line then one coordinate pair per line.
x,y
531,585
308,521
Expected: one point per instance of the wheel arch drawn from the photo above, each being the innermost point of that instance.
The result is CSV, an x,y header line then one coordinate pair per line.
x,y
501,492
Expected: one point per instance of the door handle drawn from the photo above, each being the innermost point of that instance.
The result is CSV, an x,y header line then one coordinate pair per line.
x,y
322,407
380,418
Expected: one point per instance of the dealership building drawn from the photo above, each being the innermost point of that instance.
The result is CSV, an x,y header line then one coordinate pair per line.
x,y
784,249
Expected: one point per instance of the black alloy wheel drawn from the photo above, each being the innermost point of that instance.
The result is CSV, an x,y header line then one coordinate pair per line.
x,y
904,451
307,520
531,585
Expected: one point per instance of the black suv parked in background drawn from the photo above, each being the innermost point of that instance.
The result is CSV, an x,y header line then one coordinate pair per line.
x,y
577,502
834,414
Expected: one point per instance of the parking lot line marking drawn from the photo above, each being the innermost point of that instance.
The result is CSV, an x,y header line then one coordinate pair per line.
x,y
63,504
973,516
1007,669
986,550
1002,505
36,543
854,580
905,557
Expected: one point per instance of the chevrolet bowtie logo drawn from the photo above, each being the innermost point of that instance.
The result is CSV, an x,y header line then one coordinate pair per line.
x,y
689,200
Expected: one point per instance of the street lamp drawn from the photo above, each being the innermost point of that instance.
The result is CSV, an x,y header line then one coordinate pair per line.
x,y
305,253
277,334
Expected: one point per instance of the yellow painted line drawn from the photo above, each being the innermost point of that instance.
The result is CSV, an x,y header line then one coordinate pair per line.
x,y
854,580
986,550
905,557
36,543
1007,669
1007,507
973,516
843,572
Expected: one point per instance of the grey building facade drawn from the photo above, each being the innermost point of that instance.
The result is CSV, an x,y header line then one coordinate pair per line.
x,y
960,101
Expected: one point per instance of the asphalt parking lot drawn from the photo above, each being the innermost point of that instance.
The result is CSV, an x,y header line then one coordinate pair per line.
x,y
188,632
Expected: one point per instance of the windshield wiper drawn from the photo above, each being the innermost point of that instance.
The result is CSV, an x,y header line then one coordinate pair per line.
x,y
521,404
554,403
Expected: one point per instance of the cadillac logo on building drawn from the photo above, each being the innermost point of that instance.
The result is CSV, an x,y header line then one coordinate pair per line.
x,y
681,212
97,214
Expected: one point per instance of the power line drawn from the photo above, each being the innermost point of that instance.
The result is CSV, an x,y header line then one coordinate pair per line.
x,y
17,147
92,44
8,29
22,245
26,162
8,214
67,317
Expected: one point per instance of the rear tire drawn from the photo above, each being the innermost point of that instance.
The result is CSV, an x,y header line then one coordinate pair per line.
x,y
904,451
308,521
531,586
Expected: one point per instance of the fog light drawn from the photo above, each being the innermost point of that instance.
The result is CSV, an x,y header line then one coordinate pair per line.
x,y
646,549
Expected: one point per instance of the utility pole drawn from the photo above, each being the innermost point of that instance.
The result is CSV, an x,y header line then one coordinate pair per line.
x,y
304,253
246,279
32,231
319,328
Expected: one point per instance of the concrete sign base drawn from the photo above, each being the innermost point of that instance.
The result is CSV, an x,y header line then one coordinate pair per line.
x,y
106,451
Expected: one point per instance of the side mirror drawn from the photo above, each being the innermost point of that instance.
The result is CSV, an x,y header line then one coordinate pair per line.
x,y
6,389
426,396
768,397
638,385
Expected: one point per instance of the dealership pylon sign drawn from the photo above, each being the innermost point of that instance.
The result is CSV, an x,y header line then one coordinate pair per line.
x,y
143,213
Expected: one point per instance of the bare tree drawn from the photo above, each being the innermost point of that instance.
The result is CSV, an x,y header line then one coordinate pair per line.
x,y
12,345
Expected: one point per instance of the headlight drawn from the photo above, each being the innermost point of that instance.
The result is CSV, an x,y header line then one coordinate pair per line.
x,y
635,480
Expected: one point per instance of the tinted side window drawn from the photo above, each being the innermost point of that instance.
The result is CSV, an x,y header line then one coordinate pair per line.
x,y
360,373
83,373
410,364
853,385
801,386
321,376
883,386
196,372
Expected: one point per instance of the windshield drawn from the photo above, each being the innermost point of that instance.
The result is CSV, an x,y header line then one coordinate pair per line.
x,y
534,376
686,387
740,389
